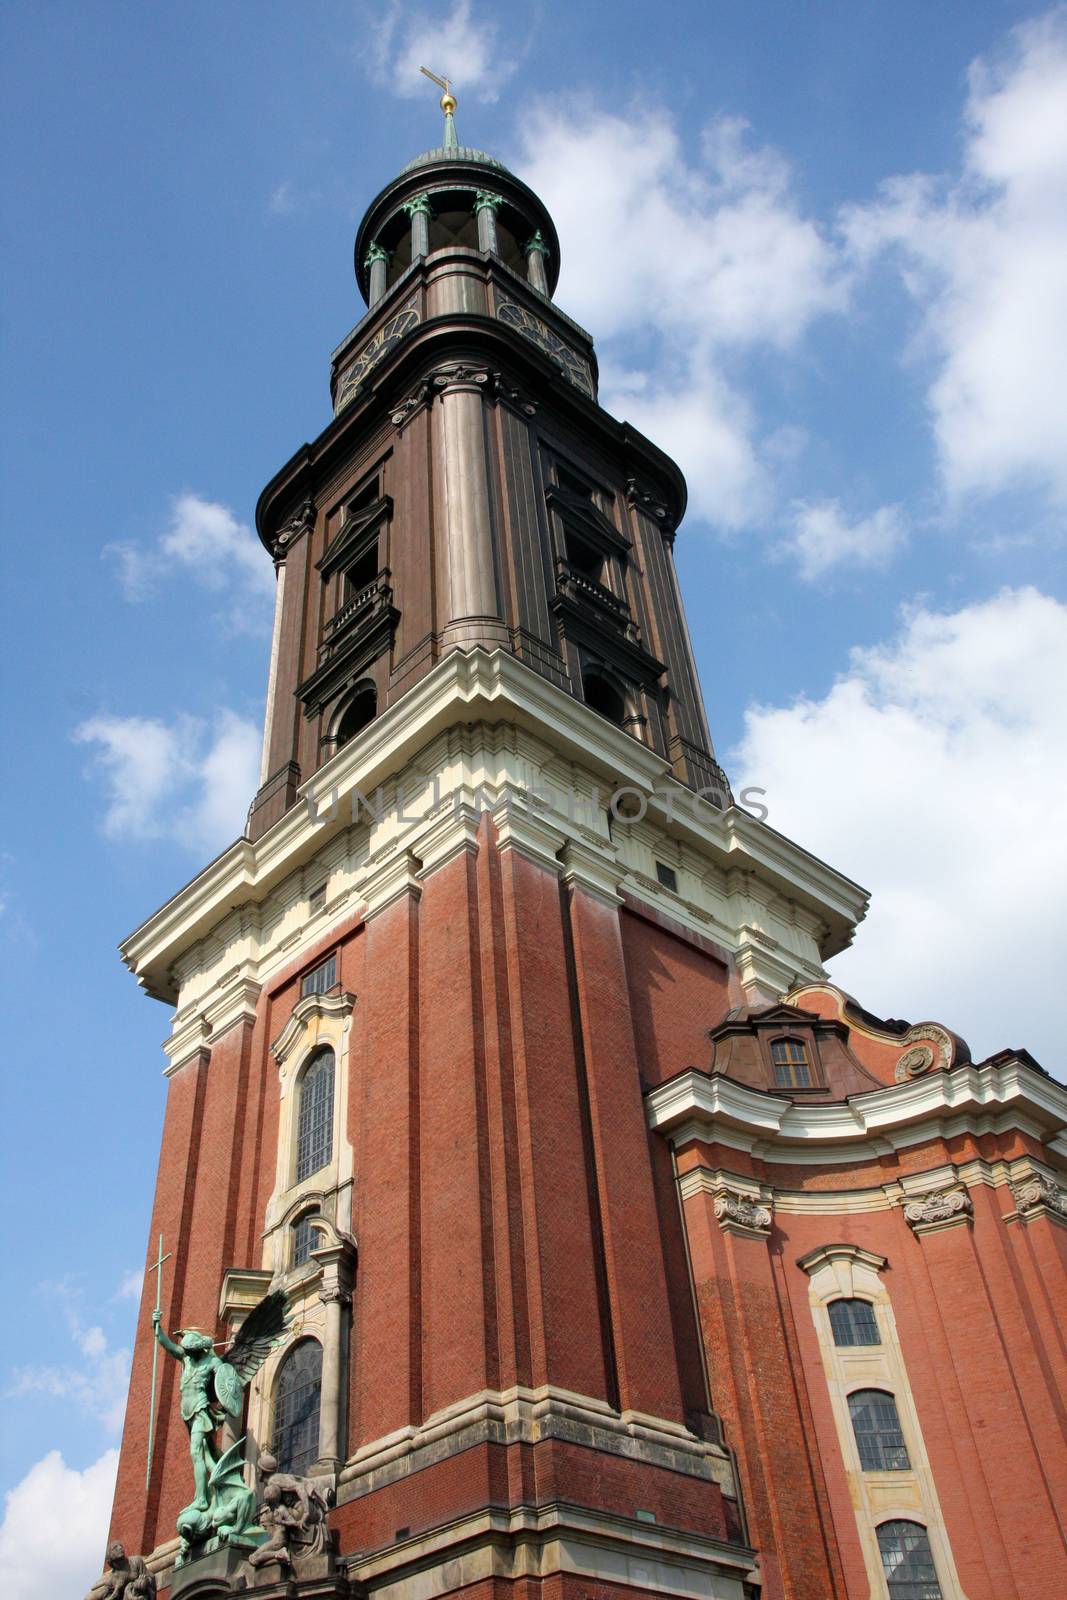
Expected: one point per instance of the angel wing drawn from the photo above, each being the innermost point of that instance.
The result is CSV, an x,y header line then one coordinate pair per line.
x,y
229,1468
257,1336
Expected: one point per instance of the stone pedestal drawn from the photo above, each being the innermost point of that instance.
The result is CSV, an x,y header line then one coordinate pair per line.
x,y
207,1576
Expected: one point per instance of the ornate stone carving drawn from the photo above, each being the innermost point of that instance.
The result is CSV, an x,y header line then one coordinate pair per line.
x,y
459,376
292,1514
301,521
486,198
1038,1193
421,396
376,252
927,1043
128,1577
920,1058
335,1294
644,500
938,1209
740,1213
418,206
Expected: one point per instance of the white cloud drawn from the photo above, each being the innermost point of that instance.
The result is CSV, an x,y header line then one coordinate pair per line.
x,y
206,542
932,772
698,261
822,537
457,45
130,1286
96,1382
54,1533
983,257
181,780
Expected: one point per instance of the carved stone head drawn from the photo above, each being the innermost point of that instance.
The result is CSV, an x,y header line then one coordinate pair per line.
x,y
116,1555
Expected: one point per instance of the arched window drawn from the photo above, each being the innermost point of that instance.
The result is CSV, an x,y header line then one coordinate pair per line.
x,y
907,1561
361,709
877,1428
602,695
792,1070
314,1123
305,1238
297,1391
853,1322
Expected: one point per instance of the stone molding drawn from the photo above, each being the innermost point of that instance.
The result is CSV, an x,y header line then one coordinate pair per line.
x,y
527,1416
836,1255
989,1098
519,705
551,1540
937,1209
312,1008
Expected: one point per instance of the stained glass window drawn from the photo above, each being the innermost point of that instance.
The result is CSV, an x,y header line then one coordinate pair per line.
x,y
907,1561
791,1068
853,1322
877,1428
314,1134
305,1238
296,1407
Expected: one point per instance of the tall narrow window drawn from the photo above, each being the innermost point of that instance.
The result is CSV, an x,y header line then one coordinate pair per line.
x,y
602,696
907,1561
853,1322
314,1132
792,1069
877,1428
297,1393
363,571
361,709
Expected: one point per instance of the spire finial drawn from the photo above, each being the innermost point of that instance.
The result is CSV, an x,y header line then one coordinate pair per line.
x,y
448,106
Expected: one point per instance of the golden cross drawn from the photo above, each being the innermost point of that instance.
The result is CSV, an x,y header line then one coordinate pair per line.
x,y
442,83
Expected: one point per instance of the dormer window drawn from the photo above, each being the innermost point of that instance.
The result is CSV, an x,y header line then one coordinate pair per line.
x,y
792,1066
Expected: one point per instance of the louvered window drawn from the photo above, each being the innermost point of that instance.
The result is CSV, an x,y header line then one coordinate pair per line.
x,y
314,1134
877,1428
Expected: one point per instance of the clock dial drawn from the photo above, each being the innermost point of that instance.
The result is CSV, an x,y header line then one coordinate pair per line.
x,y
540,334
379,345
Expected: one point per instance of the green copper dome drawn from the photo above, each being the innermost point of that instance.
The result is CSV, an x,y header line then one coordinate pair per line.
x,y
455,152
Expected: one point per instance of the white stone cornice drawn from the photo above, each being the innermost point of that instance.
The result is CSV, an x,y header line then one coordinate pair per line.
x,y
998,1095
313,1008
495,691
190,1038
828,1255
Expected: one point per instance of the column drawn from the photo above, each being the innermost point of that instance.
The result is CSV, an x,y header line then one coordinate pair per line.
x,y
420,211
337,1261
459,426
486,205
376,262
536,252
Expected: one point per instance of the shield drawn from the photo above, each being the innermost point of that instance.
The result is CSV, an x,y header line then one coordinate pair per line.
x,y
229,1389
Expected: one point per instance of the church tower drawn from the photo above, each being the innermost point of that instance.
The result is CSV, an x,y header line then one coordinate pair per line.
x,y
486,1030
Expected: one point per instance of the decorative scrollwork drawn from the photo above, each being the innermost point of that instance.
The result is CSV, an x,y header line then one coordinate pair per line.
x,y
735,1211
644,500
301,521
920,1058
1038,1193
938,1207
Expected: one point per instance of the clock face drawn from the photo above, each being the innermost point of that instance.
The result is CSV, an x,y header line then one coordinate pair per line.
x,y
540,334
388,335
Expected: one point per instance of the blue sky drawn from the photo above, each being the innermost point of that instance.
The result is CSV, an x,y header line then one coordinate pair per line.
x,y
821,250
